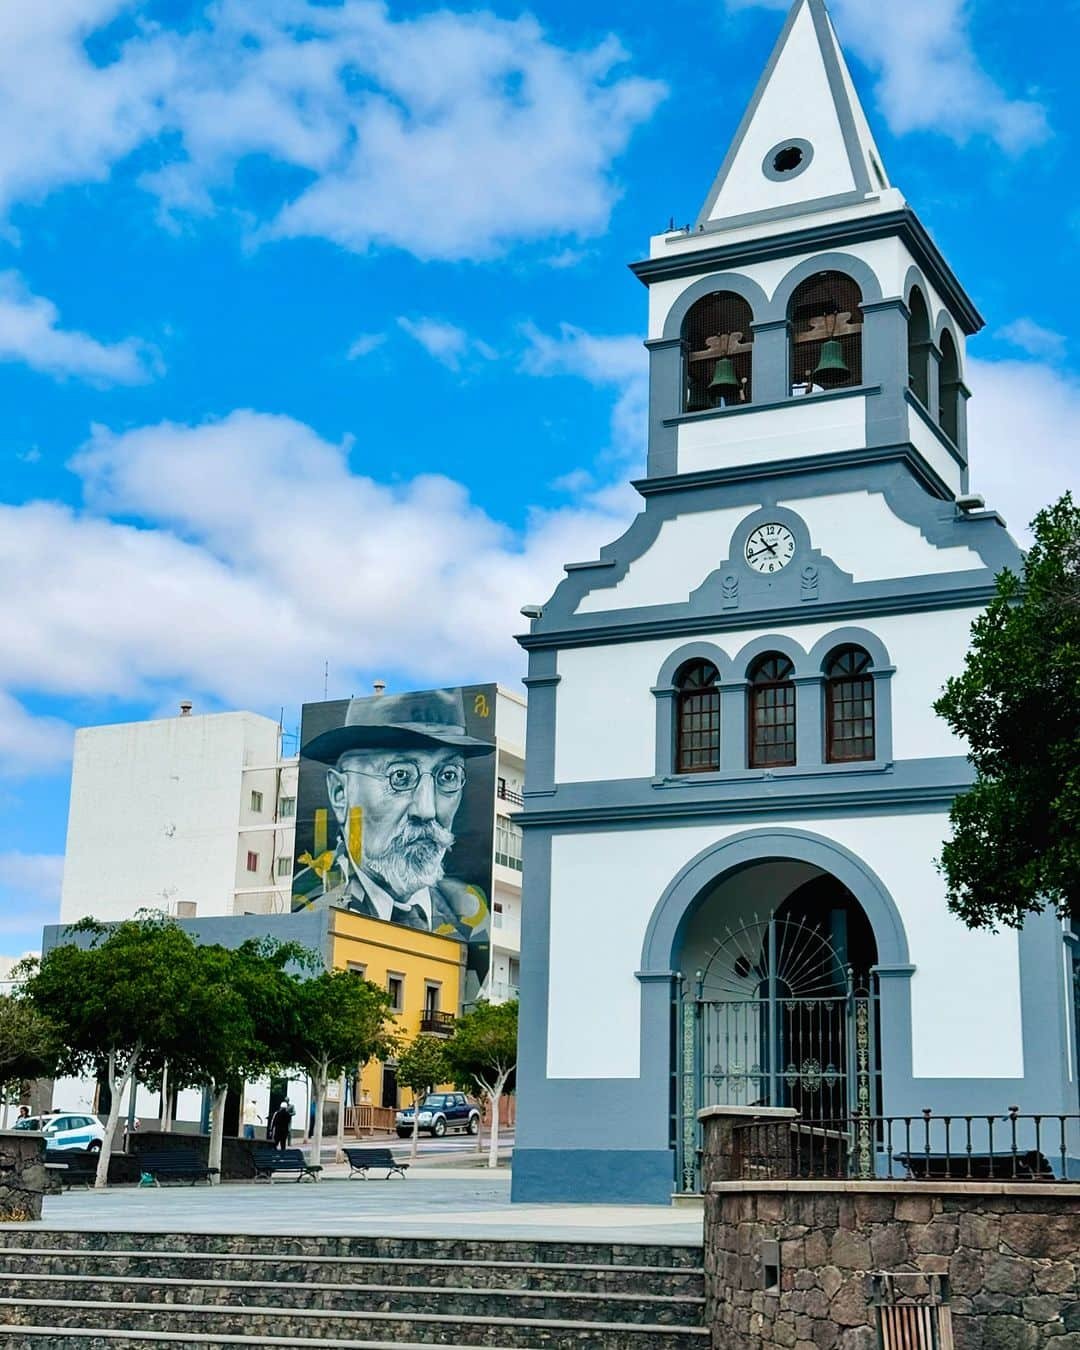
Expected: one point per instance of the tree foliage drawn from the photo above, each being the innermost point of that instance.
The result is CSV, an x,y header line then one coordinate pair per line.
x,y
1015,848
483,1057
122,1004
29,1046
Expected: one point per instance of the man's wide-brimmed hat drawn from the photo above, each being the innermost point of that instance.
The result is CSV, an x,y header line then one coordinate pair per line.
x,y
433,717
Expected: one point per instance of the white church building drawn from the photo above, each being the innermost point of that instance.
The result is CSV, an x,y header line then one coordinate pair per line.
x,y
737,787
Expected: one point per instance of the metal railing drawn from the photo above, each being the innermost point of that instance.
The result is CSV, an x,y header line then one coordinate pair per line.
x,y
506,794
368,1119
437,1023
1009,1147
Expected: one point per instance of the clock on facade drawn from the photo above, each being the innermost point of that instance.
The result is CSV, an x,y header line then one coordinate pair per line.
x,y
770,548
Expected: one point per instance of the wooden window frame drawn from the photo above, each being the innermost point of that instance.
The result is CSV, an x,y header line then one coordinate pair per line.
x,y
863,677
683,697
759,687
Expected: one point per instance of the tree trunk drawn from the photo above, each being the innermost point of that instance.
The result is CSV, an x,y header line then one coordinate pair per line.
x,y
319,1085
165,1124
495,1098
116,1092
217,1126
340,1156
414,1144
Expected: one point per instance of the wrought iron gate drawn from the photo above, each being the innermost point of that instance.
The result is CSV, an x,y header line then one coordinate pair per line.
x,y
775,1019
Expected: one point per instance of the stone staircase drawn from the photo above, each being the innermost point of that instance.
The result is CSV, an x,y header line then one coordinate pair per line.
x,y
133,1291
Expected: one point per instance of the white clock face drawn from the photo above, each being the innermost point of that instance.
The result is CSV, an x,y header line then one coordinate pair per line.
x,y
770,548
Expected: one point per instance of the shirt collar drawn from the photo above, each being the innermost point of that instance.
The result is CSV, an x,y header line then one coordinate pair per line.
x,y
386,906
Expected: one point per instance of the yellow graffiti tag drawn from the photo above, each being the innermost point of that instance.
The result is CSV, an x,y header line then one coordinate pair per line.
x,y
480,706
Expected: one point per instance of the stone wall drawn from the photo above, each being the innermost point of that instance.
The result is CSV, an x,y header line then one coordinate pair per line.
x,y
1011,1252
23,1178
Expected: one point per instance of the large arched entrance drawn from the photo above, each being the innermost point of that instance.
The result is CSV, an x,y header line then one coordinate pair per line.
x,y
778,1004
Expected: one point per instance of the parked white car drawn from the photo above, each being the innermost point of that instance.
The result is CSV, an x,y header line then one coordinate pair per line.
x,y
72,1131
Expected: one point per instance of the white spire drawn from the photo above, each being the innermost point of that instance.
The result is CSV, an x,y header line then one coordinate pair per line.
x,y
804,144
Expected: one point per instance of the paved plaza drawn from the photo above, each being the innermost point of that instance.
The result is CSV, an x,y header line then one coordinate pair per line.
x,y
432,1202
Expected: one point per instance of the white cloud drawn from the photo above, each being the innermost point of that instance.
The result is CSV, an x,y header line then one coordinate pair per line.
x,y
29,894
1034,339
30,333
446,342
929,76
1022,432
617,363
449,135
30,746
365,344
210,598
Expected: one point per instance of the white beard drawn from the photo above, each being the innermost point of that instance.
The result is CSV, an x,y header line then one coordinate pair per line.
x,y
413,860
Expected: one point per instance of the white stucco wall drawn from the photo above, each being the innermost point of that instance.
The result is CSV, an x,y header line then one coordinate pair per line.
x,y
802,427
966,1019
155,813
925,649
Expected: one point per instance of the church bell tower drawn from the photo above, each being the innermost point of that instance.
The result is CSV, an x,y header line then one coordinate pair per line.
x,y
735,773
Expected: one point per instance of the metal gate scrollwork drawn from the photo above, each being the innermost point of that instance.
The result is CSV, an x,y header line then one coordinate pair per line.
x,y
776,1018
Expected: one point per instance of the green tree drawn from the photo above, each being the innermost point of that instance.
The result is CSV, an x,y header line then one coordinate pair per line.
x,y
28,1044
122,1005
483,1056
1015,847
246,1004
422,1066
340,1021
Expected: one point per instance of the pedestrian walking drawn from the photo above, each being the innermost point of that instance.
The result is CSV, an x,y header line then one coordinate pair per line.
x,y
280,1126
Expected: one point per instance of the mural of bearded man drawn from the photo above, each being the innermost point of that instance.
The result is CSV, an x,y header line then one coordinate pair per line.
x,y
395,777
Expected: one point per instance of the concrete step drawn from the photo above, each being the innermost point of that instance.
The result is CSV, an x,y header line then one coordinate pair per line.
x,y
447,1301
306,1323
369,1270
519,1251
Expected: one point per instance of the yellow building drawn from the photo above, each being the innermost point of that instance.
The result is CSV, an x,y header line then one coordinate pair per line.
x,y
423,972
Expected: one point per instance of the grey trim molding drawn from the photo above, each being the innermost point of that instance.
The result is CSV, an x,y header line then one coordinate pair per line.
x,y
848,263
903,224
668,922
775,175
927,419
715,282
796,400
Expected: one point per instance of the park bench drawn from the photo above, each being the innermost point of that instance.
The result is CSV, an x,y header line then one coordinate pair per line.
x,y
184,1164
1029,1165
75,1166
360,1159
270,1160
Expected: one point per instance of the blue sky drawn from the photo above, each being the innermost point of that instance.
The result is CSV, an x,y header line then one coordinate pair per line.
x,y
317,342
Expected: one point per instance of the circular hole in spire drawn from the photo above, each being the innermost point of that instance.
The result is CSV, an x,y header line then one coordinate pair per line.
x,y
788,159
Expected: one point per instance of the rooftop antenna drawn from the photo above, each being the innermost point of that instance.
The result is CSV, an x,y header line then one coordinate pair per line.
x,y
326,681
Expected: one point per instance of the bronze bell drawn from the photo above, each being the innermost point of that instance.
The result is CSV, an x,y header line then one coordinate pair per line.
x,y
832,368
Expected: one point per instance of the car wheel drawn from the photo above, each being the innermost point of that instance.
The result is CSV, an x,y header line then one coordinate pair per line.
x,y
439,1128
94,1146
474,1124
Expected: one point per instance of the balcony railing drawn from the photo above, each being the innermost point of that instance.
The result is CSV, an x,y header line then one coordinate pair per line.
x,y
434,1023
506,794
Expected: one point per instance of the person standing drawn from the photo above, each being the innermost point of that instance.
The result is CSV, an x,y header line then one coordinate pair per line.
x,y
251,1118
280,1126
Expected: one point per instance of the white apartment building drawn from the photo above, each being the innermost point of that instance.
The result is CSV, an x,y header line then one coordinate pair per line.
x,y
195,816
190,815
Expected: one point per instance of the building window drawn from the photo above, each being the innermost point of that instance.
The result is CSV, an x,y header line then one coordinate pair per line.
x,y
772,712
718,346
949,411
508,839
697,718
432,997
395,987
252,862
919,348
256,801
287,808
849,706
284,867
826,322
497,914
356,968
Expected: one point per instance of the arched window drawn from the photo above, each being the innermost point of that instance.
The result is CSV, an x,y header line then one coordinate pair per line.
x,y
949,417
697,714
772,712
919,348
849,706
718,341
825,320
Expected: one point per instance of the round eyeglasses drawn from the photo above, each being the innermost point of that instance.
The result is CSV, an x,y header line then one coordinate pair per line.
x,y
404,776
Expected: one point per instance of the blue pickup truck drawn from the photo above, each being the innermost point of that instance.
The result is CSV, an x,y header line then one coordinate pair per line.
x,y
440,1113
